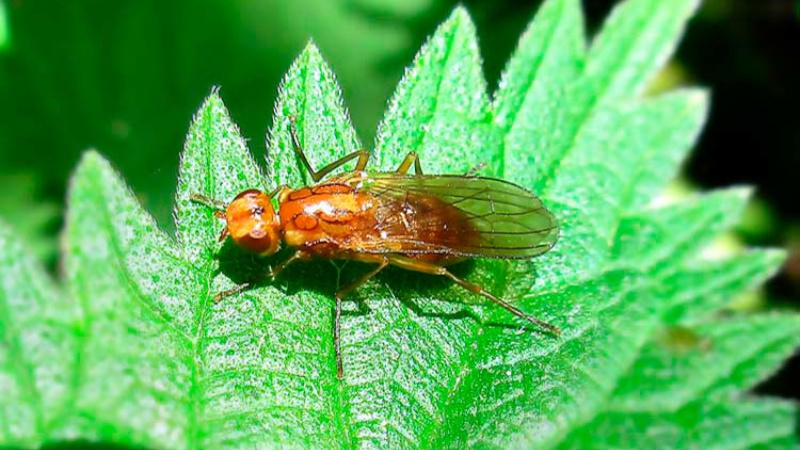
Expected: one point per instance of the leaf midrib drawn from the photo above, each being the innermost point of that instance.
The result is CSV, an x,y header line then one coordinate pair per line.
x,y
339,398
195,407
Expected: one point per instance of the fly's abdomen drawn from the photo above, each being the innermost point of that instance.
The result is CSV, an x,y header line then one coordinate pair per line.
x,y
425,228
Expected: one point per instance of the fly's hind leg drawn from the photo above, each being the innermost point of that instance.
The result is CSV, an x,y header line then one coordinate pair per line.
x,y
337,312
425,267
362,155
473,172
411,158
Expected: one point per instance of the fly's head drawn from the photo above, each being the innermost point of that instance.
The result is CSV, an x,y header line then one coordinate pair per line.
x,y
252,223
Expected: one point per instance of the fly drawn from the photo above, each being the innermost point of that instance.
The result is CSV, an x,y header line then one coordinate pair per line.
x,y
416,222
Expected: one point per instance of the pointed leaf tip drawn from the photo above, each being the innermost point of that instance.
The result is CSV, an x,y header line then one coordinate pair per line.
x,y
310,49
215,162
699,97
635,41
441,106
742,193
90,161
213,98
533,89
460,15
460,21
310,93
90,155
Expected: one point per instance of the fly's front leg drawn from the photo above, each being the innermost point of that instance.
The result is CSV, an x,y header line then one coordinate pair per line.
x,y
425,267
217,206
214,204
362,155
271,274
337,312
411,158
299,255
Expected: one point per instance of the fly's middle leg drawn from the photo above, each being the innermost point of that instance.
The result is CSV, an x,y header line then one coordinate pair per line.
x,y
362,155
337,312
425,267
411,158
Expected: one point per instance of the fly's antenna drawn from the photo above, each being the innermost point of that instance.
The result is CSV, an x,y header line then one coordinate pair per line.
x,y
208,201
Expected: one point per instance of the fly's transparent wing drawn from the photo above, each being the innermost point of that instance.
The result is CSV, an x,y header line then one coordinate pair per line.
x,y
461,216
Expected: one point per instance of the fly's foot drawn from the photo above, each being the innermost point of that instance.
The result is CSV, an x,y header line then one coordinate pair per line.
x,y
233,291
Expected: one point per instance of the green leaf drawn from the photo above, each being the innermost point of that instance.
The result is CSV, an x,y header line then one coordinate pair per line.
x,y
440,108
533,92
745,423
39,336
149,359
139,301
719,358
23,207
309,93
634,43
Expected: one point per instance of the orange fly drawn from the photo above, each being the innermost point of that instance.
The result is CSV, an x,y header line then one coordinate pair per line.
x,y
414,221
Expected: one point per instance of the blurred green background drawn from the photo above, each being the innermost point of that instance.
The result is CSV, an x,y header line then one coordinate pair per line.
x,y
125,77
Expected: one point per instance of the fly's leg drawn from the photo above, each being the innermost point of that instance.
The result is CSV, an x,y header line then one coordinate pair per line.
x,y
362,155
216,205
278,190
272,274
411,158
299,255
473,172
425,267
337,311
232,291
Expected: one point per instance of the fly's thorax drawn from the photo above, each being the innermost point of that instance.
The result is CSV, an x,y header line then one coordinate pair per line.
x,y
253,223
324,213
